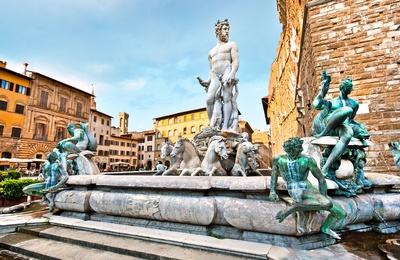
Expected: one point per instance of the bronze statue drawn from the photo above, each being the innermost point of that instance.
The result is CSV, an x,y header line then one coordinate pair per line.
x,y
294,168
55,176
337,119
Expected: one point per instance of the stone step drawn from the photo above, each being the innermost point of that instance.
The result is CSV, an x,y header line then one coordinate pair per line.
x,y
46,249
55,242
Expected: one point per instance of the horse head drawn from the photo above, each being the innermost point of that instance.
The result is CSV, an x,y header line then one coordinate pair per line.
x,y
178,148
165,150
250,150
219,146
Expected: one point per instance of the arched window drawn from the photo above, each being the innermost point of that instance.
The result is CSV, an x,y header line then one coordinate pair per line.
x,y
185,131
193,130
169,133
201,128
175,132
3,105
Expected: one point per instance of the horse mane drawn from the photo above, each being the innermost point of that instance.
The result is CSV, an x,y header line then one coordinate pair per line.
x,y
184,139
216,137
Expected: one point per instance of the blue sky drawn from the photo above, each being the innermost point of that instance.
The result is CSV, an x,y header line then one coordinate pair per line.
x,y
142,56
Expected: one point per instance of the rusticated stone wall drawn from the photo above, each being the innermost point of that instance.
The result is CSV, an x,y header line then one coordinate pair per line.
x,y
347,38
282,110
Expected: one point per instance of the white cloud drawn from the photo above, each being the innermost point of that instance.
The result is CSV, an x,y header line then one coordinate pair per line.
x,y
99,68
133,84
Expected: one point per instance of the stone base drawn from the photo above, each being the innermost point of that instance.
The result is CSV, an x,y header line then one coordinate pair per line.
x,y
146,223
301,242
390,227
78,215
227,207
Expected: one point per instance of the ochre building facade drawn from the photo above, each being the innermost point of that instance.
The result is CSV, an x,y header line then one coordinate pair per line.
x,y
14,95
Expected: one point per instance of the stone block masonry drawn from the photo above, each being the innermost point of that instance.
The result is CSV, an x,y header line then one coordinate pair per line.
x,y
347,38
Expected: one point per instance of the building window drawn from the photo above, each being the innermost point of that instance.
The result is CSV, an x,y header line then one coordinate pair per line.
x,y
100,152
121,153
184,130
6,155
40,131
101,140
63,104
170,121
175,120
20,89
19,109
78,109
102,121
149,148
1,130
149,138
201,128
94,118
16,132
193,129
169,133
106,153
44,96
158,134
201,115
192,116
134,145
122,143
60,133
108,123
3,105
158,147
175,132
184,118
6,85
159,123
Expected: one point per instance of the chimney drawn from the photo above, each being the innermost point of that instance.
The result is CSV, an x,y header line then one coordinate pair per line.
x,y
26,66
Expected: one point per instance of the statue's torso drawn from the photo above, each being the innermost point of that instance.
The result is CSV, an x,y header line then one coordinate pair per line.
x,y
221,58
294,171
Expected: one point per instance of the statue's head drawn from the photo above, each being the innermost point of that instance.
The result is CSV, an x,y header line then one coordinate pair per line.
x,y
222,30
71,128
52,157
293,146
346,85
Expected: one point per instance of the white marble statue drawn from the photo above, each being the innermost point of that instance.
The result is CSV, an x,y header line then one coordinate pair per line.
x,y
224,63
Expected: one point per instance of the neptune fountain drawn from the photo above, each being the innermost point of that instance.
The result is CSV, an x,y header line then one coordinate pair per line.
x,y
206,190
